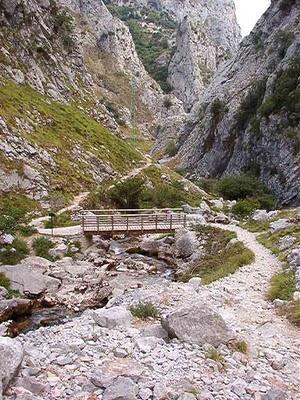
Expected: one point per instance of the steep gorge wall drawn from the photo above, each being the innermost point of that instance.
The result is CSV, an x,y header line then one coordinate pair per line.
x,y
249,118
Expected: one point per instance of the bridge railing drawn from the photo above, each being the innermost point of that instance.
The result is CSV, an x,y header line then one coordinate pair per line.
x,y
117,222
132,211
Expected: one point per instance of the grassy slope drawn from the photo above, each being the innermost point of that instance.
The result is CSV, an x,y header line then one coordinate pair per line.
x,y
58,128
283,284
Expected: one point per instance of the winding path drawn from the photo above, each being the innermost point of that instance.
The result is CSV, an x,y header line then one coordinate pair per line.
x,y
38,223
241,301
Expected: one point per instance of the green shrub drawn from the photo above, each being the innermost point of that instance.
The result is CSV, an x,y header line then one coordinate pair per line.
x,y
27,230
238,187
13,253
250,104
283,285
171,149
243,208
286,93
42,246
7,224
127,194
164,196
61,220
144,311
209,185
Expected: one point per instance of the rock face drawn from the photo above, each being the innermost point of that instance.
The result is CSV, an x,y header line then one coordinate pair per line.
x,y
196,39
245,122
11,356
197,324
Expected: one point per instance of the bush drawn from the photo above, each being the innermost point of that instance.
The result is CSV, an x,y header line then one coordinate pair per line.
x,y
238,187
7,224
144,311
244,208
42,246
61,220
127,194
14,253
286,93
164,196
27,230
171,149
250,104
283,285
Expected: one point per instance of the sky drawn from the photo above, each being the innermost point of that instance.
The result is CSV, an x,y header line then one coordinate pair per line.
x,y
249,12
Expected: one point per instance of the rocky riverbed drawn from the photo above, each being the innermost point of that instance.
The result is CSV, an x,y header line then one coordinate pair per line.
x,y
222,341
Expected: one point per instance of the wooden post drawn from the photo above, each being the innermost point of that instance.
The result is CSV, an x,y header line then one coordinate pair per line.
x,y
112,224
98,221
142,223
127,223
171,215
184,220
82,223
156,222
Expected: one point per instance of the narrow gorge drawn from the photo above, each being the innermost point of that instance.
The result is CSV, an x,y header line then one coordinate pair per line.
x,y
149,200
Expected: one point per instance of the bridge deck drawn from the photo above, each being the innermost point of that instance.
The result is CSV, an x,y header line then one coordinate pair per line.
x,y
94,222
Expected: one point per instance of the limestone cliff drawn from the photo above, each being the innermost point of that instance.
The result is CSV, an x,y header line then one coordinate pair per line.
x,y
249,118
181,43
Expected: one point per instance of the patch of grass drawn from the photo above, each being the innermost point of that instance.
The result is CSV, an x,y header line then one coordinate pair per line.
x,y
293,313
216,356
220,258
283,285
27,230
144,311
165,235
13,253
241,346
65,128
256,226
5,282
42,246
271,240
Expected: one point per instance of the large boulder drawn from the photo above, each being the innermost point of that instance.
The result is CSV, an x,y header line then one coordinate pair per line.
x,y
197,324
280,224
30,279
11,356
263,215
113,318
186,243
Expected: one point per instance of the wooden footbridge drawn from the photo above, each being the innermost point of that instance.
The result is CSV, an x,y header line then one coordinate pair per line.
x,y
114,222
